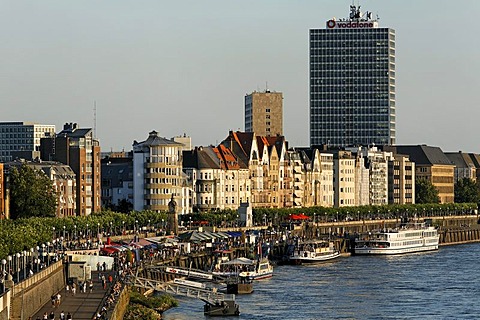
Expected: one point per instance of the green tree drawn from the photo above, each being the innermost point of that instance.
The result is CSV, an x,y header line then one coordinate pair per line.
x,y
31,193
466,191
425,192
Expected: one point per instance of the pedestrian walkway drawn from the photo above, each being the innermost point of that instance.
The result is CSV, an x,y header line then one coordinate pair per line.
x,y
82,305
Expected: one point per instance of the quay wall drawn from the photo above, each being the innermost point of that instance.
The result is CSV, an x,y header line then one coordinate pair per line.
x,y
121,306
33,293
5,305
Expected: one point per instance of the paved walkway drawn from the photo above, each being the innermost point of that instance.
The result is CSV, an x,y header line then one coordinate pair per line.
x,y
82,306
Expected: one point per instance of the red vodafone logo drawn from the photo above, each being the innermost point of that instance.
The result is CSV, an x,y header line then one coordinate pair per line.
x,y
331,24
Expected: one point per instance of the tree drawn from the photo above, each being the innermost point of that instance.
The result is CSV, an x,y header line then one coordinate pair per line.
x,y
466,191
31,193
425,192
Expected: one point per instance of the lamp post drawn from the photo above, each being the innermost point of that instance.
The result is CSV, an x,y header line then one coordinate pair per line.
x,y
64,227
135,227
314,218
53,228
24,253
17,266
87,234
4,262
123,226
98,230
38,258
48,255
9,259
31,258
148,226
75,230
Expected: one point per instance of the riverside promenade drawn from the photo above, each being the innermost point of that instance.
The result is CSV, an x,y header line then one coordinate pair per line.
x,y
82,306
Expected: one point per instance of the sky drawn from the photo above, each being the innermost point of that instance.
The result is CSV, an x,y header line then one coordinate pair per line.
x,y
184,67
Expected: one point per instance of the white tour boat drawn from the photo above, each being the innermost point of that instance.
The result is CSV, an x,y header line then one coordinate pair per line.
x,y
262,270
314,252
409,238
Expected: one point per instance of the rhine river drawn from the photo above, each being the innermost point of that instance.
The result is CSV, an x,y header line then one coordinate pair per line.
x,y
444,284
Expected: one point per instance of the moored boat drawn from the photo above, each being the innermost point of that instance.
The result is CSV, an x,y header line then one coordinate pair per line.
x,y
261,270
409,238
314,252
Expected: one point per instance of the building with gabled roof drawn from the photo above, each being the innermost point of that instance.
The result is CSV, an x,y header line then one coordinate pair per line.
x,y
218,180
63,181
464,165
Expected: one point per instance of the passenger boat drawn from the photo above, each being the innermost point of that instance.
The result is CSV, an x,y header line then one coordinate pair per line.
x,y
314,252
261,270
409,238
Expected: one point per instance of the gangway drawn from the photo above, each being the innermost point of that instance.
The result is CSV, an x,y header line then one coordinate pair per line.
x,y
217,303
189,273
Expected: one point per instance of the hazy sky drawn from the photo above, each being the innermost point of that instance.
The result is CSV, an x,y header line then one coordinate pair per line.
x,y
185,66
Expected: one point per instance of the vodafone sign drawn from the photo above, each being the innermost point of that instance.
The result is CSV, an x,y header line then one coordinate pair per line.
x,y
332,24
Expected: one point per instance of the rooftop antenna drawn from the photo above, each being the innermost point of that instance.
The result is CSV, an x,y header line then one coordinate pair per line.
x,y
95,119
266,86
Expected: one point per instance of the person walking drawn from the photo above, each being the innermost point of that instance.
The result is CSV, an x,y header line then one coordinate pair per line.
x,y
74,289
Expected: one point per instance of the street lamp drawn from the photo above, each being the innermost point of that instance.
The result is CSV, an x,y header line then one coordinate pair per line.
x,y
17,266
98,230
48,255
4,262
9,259
75,228
38,258
64,232
53,228
31,258
88,233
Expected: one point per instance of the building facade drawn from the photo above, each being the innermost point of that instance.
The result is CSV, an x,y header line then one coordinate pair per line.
x,y
344,179
464,165
79,149
117,183
431,164
352,82
157,174
401,180
22,139
264,113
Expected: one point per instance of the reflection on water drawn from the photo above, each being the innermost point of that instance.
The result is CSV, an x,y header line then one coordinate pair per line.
x,y
434,285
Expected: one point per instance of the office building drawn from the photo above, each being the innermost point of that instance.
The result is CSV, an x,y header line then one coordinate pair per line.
x,y
22,139
352,82
264,113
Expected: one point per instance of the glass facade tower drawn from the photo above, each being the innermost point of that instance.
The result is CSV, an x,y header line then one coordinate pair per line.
x,y
352,83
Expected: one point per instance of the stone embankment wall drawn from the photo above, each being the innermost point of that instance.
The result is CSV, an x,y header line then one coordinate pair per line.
x,y
30,295
121,306
4,305
451,237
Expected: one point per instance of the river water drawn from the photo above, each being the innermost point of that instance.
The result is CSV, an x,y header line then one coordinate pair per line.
x,y
444,284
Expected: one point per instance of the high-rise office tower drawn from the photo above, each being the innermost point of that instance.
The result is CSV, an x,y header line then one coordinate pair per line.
x,y
264,113
352,82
